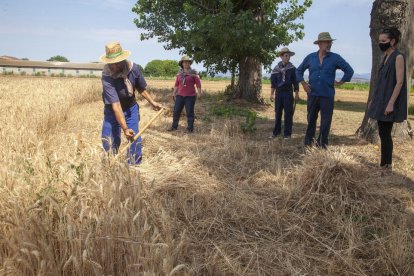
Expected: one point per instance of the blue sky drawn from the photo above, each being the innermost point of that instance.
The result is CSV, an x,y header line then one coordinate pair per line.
x,y
79,29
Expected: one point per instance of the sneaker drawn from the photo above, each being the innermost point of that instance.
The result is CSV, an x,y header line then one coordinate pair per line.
x,y
272,137
287,137
172,129
190,130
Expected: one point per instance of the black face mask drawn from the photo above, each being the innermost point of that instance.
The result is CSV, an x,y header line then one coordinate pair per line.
x,y
384,46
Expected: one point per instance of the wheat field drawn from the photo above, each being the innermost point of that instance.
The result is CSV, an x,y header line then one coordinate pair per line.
x,y
216,202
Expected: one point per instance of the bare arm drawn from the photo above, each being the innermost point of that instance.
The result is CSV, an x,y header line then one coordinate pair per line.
x,y
399,66
272,94
147,96
306,86
197,82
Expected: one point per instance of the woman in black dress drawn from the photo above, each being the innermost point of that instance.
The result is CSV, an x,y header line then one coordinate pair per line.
x,y
389,101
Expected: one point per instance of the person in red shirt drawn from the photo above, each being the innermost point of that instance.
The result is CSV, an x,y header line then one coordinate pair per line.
x,y
185,93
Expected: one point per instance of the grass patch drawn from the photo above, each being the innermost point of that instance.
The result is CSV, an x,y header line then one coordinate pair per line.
x,y
411,109
248,126
355,86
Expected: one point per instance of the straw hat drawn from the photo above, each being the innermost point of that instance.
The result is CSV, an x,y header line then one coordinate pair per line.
x,y
114,53
184,58
324,36
286,50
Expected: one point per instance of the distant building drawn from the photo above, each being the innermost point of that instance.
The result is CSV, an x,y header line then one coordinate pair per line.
x,y
46,68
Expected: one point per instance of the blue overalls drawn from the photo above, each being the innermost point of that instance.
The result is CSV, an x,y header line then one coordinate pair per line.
x,y
284,83
114,90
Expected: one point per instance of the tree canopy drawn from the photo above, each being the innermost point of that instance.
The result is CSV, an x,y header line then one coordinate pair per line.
x,y
161,68
58,58
222,32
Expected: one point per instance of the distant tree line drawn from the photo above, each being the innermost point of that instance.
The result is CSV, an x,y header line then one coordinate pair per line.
x,y
161,68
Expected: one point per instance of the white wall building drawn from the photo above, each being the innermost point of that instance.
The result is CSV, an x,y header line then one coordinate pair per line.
x,y
28,67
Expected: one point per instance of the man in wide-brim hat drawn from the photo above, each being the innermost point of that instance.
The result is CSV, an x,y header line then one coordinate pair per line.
x,y
120,78
283,83
322,66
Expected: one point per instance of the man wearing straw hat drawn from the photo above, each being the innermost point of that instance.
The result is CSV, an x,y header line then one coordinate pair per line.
x,y
322,66
120,78
283,83
185,94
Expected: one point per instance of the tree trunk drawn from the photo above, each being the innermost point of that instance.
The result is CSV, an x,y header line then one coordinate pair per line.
x,y
249,85
390,13
233,78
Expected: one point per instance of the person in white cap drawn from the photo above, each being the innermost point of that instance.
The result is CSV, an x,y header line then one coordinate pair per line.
x,y
322,66
283,83
120,78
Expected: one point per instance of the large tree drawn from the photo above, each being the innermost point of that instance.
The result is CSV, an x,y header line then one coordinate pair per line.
x,y
227,35
390,13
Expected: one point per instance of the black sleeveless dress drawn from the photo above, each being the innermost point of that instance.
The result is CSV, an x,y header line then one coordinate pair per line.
x,y
387,79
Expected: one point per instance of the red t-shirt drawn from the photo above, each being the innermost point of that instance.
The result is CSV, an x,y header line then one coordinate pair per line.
x,y
190,81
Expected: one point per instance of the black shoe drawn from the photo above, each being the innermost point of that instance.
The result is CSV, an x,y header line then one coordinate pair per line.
x,y
189,130
172,129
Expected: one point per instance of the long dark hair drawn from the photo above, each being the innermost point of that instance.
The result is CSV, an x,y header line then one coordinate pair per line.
x,y
392,33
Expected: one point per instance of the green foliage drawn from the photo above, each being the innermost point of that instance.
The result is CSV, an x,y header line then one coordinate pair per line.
x,y
221,33
154,68
58,58
171,68
411,109
230,111
249,125
355,86
203,74
161,68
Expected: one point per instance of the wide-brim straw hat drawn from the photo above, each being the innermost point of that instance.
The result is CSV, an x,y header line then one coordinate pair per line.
x,y
185,58
114,53
284,51
324,36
